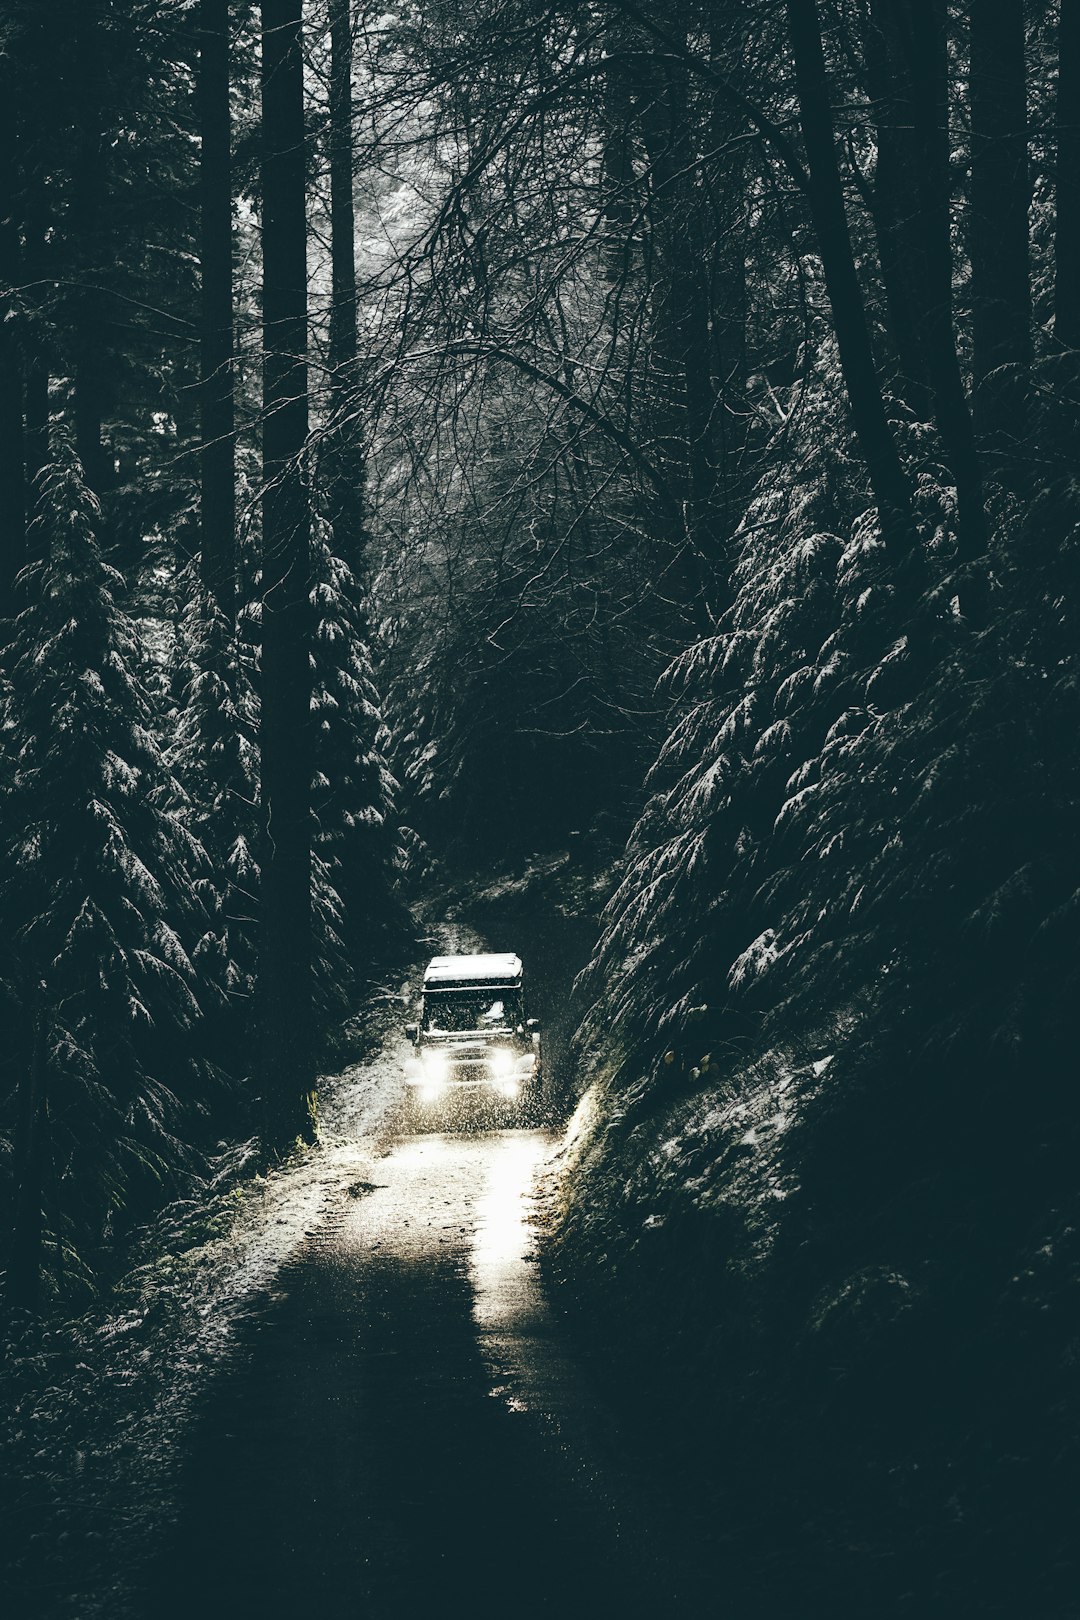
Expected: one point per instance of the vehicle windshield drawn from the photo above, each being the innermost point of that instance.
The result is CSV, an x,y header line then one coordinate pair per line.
x,y
448,1010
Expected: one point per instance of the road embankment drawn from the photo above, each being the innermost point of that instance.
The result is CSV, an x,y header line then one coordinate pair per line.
x,y
840,1295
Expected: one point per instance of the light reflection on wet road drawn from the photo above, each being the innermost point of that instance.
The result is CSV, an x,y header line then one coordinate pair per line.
x,y
401,1431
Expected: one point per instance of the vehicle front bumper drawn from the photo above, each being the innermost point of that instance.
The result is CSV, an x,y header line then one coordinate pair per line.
x,y
433,1072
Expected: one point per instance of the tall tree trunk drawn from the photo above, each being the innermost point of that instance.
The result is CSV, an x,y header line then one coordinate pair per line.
x,y
342,219
345,456
887,37
216,380
1000,195
12,447
887,478
682,348
1067,218
900,303
285,980
907,72
85,226
728,290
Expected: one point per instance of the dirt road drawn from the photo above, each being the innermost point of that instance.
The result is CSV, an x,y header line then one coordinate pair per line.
x,y
402,1430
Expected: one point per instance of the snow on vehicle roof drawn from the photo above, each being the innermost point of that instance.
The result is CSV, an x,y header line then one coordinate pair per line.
x,y
462,970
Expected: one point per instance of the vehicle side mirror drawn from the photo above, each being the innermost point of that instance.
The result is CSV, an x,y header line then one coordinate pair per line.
x,y
412,1033
532,1023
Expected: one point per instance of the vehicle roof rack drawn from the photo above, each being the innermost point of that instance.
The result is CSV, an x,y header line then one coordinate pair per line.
x,y
462,972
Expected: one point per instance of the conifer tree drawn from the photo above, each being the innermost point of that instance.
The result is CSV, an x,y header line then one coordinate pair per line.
x,y
285,971
100,886
217,454
353,791
352,788
215,755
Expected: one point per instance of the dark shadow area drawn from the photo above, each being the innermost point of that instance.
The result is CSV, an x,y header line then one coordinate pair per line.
x,y
354,1461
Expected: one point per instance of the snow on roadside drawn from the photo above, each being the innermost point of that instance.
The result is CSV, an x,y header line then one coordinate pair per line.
x,y
93,1412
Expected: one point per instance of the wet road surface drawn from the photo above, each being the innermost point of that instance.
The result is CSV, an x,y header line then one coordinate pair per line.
x,y
402,1430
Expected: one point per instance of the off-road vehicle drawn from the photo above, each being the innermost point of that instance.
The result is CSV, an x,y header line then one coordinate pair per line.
x,y
474,1033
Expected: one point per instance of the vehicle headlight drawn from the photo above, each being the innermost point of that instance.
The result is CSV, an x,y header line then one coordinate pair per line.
x,y
502,1062
436,1066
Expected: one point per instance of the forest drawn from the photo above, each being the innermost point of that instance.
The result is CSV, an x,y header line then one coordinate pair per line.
x,y
434,438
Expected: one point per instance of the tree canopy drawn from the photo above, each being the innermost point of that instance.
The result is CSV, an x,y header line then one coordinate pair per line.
x,y
468,426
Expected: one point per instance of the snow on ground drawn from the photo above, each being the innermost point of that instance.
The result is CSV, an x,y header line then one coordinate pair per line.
x,y
719,1148
94,1412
